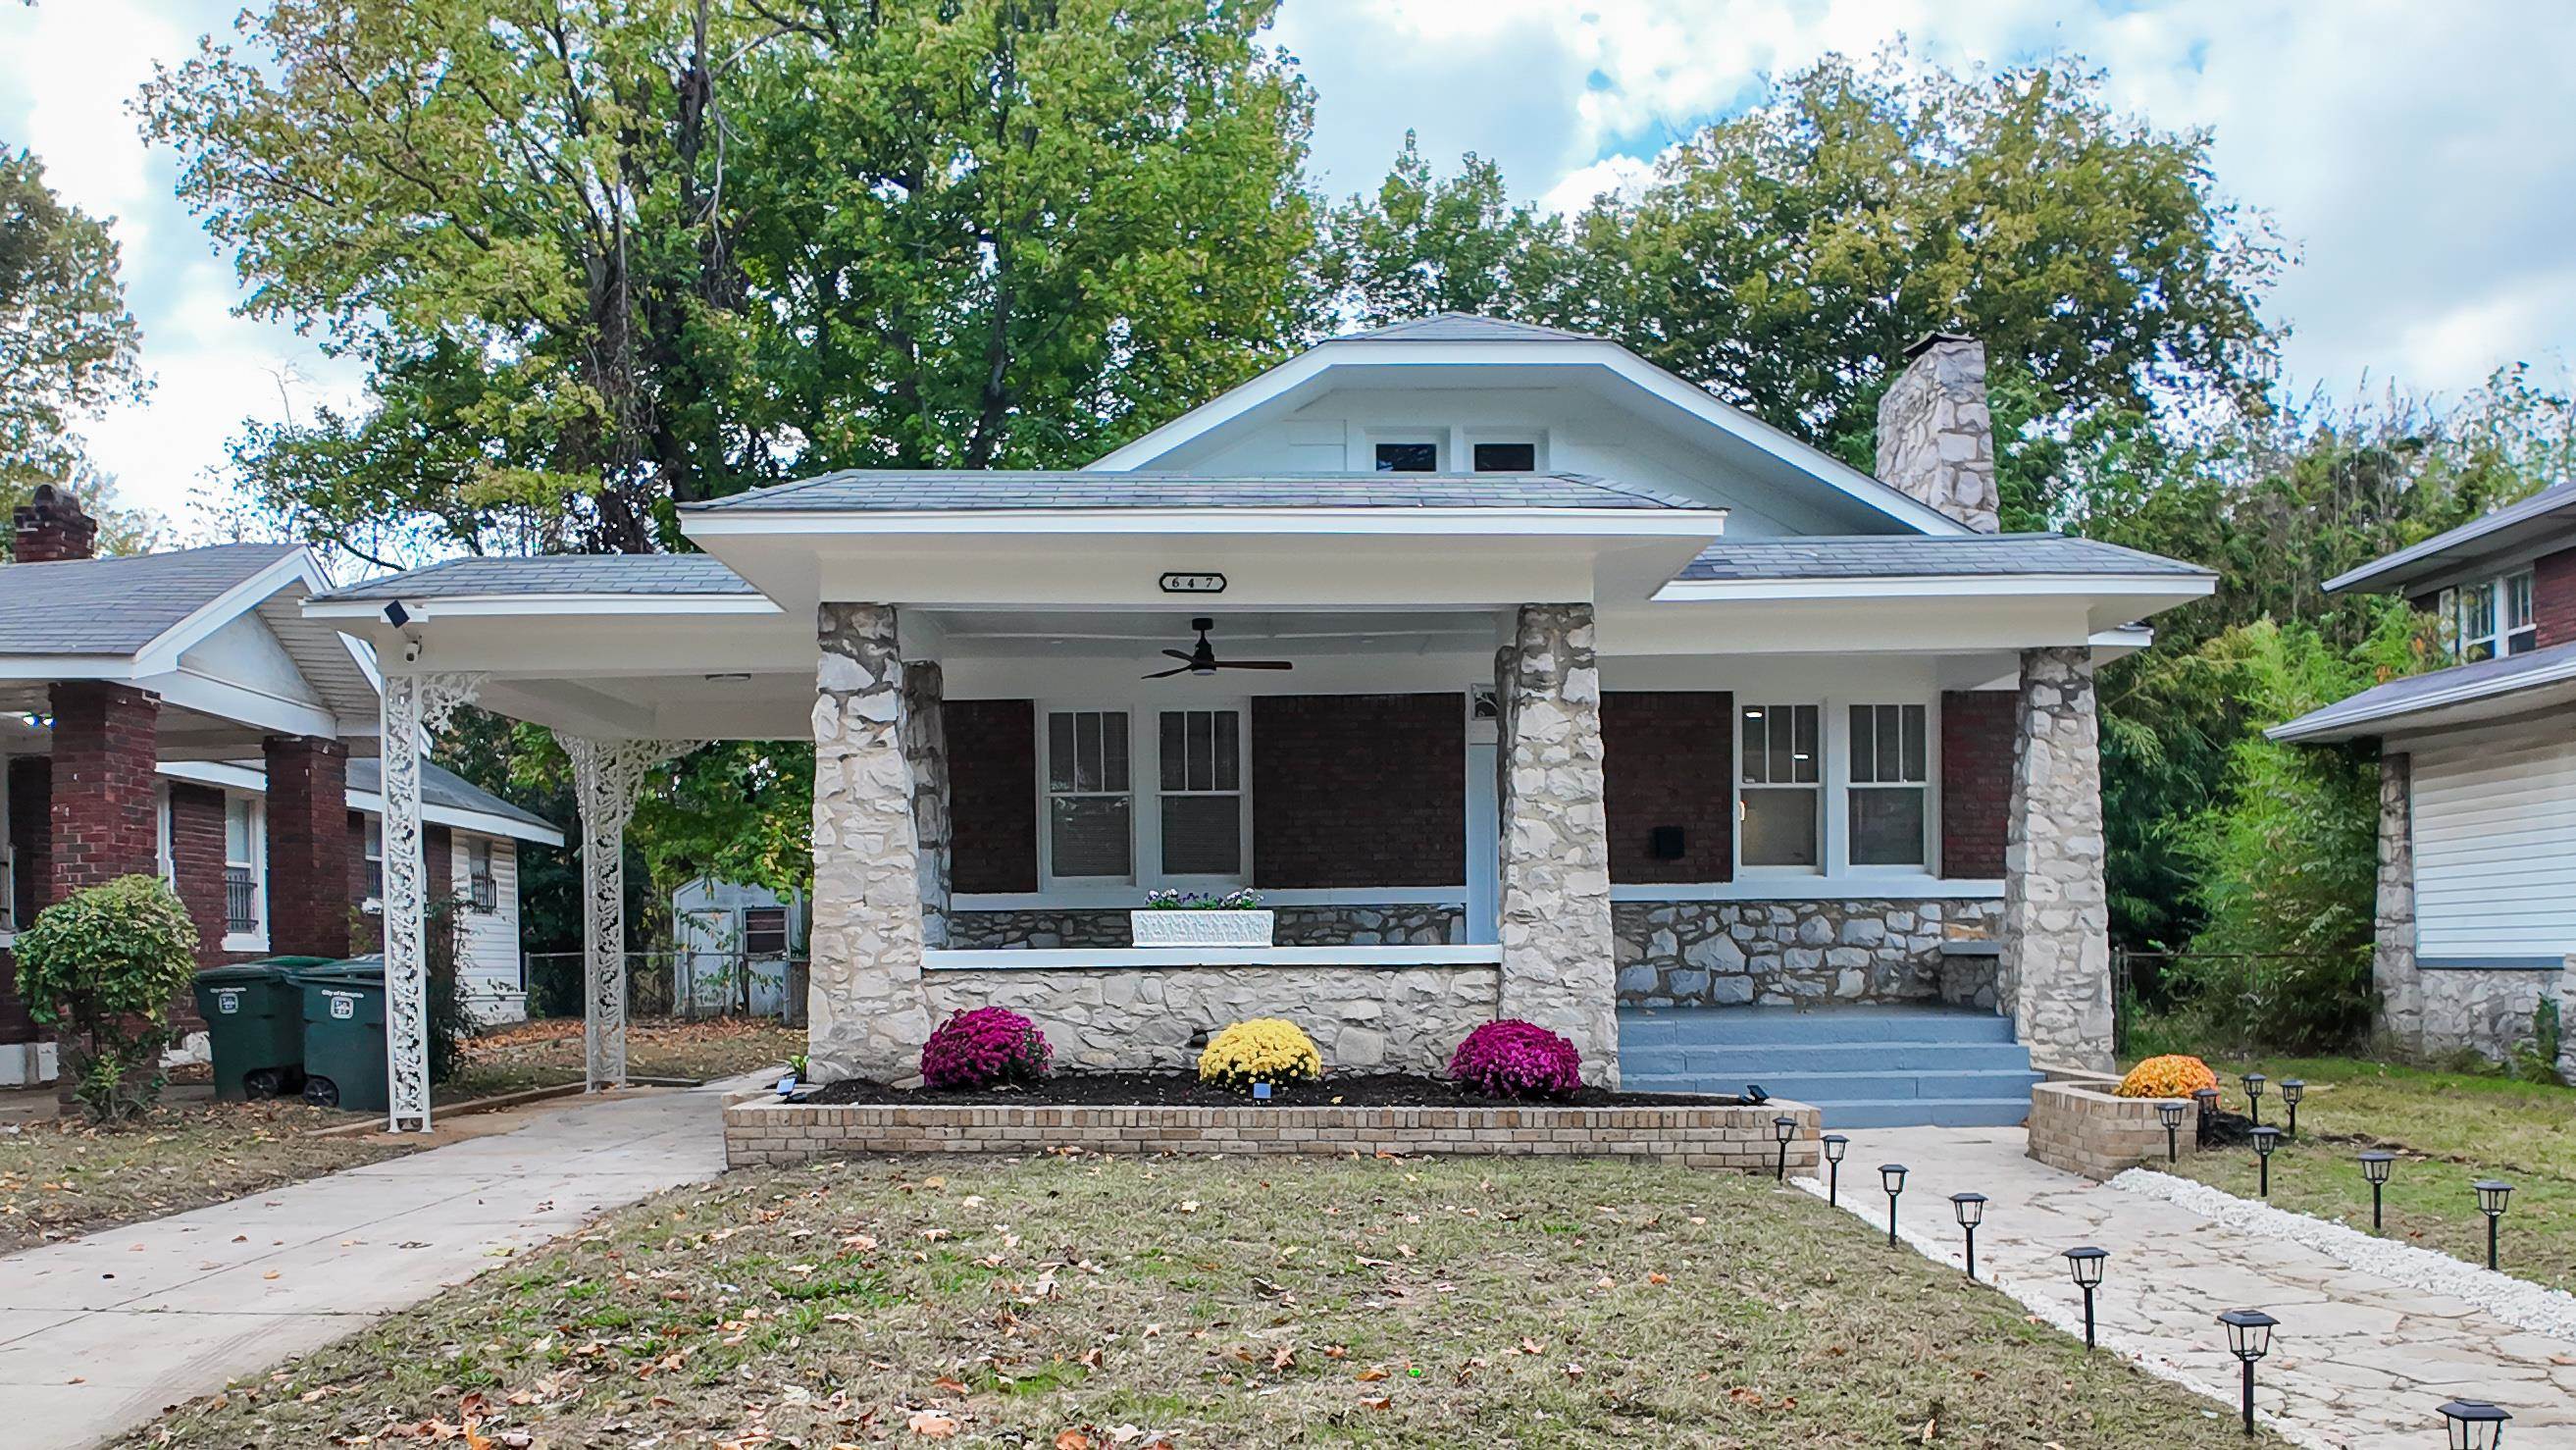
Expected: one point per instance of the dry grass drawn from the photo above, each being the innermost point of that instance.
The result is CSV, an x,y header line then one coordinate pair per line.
x,y
1086,1303
548,1053
59,1177
2448,1129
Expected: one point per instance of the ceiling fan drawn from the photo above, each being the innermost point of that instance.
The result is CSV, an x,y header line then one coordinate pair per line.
x,y
1203,661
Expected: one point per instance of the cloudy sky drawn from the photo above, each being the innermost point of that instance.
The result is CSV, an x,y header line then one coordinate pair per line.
x,y
2421,158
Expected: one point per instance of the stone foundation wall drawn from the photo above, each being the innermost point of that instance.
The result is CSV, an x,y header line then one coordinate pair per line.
x,y
763,1132
1294,926
1729,953
1363,1019
2489,1011
2078,1124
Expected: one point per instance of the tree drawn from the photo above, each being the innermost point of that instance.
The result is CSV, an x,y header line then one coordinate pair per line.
x,y
68,347
1423,245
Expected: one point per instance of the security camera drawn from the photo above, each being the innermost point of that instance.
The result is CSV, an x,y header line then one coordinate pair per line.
x,y
396,615
411,651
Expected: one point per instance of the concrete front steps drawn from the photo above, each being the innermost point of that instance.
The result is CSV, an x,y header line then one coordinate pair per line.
x,y
1864,1066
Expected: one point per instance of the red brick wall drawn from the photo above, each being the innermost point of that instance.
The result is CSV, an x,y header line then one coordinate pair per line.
x,y
197,859
51,526
1359,790
1667,758
2553,597
992,794
105,744
439,845
308,842
1976,781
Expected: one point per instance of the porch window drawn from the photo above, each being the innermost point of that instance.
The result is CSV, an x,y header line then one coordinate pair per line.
x,y
241,865
1781,789
1089,796
1202,797
1889,780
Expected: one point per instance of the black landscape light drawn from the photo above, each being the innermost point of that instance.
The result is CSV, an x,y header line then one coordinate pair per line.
x,y
1783,1128
1971,1209
2254,1096
2291,1091
2375,1166
2474,1424
2265,1140
2208,1099
1836,1145
1891,1176
2491,1196
2086,1264
2249,1338
2171,1112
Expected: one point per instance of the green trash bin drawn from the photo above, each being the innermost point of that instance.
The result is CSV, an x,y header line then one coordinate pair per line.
x,y
344,1034
254,1026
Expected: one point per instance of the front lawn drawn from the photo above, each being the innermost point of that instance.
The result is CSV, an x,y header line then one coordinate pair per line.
x,y
1081,1303
2447,1128
60,1177
548,1053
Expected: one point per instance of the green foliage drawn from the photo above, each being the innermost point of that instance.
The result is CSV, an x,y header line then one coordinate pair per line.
x,y
2537,1060
68,347
1423,245
102,967
442,947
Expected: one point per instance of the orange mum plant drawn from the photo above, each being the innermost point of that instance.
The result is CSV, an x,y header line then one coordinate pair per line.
x,y
2173,1076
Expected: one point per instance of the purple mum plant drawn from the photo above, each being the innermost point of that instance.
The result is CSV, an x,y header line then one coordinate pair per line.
x,y
1517,1059
985,1047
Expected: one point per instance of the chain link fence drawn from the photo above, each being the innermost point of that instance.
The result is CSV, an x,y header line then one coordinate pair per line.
x,y
686,984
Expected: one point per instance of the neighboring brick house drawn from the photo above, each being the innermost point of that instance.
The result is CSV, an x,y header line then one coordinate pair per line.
x,y
176,713
2476,923
1519,676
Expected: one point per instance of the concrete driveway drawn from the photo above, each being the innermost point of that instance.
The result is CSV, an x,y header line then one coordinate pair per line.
x,y
101,1333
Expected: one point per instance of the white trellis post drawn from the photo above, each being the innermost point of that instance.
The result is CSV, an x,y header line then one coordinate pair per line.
x,y
415,710
605,775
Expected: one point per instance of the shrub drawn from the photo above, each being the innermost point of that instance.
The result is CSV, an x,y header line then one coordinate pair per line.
x,y
1261,1049
2174,1076
1516,1059
101,967
442,943
983,1048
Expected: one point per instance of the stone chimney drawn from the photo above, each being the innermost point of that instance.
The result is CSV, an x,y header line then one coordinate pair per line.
x,y
1936,438
52,526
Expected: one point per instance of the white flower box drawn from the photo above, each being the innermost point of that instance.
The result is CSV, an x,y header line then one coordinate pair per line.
x,y
1184,928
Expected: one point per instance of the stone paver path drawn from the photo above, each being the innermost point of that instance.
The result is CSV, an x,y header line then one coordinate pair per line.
x,y
100,1333
2358,1361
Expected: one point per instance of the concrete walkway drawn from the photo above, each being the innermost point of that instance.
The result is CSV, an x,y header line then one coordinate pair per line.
x,y
2358,1361
101,1333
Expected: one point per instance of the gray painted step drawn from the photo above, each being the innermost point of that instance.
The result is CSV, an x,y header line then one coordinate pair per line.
x,y
1649,1026
1824,1089
1864,1067
1819,1057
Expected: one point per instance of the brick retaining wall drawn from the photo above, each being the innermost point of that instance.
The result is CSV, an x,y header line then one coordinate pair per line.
x,y
2078,1124
761,1131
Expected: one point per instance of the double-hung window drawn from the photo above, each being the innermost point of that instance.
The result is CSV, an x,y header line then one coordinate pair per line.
x,y
2491,617
483,890
375,856
1090,802
1780,786
1202,772
1889,785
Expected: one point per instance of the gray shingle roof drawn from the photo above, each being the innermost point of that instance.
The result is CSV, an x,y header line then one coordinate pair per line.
x,y
117,606
2381,705
936,491
440,786
1885,556
2534,515
1466,327
554,574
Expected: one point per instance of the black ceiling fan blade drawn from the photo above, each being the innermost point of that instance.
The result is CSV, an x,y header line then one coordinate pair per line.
x,y
1182,655
1254,665
1167,674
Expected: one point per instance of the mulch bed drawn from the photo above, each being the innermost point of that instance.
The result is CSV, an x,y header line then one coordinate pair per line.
x,y
1184,1090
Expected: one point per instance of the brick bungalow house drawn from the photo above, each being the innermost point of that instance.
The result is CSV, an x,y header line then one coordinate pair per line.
x,y
2476,921
1521,677
176,712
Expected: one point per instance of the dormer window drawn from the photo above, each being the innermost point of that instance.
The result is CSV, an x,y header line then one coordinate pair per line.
x,y
1408,458
2492,617
1506,458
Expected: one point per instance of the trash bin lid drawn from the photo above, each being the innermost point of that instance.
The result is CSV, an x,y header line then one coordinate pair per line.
x,y
266,968
366,971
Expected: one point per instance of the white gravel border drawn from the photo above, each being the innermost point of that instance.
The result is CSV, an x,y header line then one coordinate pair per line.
x,y
2518,1302
2059,1305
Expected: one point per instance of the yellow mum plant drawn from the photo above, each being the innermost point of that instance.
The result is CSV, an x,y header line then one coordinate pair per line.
x,y
1262,1049
2173,1076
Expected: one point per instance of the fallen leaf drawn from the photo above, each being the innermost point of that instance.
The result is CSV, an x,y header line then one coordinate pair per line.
x,y
931,1425
1072,1440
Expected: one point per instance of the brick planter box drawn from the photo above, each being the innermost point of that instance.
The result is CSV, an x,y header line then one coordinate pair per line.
x,y
2077,1123
765,1132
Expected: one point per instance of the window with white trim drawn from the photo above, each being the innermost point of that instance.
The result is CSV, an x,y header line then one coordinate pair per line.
x,y
1505,457
245,893
1090,817
1408,456
2491,617
162,859
1889,785
1202,796
373,849
1780,787
481,889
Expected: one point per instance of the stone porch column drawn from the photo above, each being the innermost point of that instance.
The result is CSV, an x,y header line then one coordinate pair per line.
x,y
308,846
925,755
865,1012
2392,927
2056,969
1553,910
